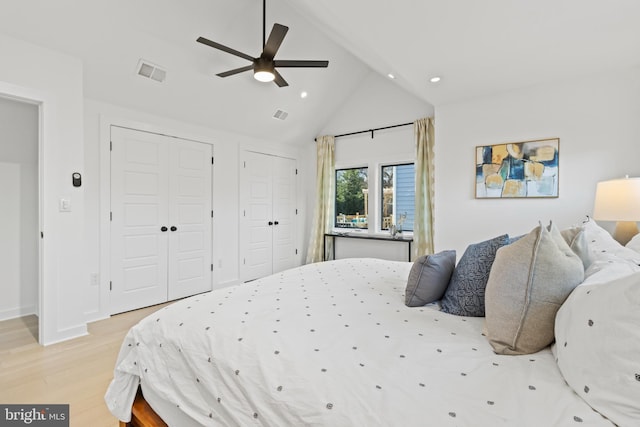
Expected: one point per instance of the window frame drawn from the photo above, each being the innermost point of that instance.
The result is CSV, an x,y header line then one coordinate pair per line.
x,y
380,195
367,201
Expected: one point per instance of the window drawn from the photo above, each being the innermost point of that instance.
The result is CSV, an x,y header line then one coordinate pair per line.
x,y
352,194
398,196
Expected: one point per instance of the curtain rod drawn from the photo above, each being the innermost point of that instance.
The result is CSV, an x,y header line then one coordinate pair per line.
x,y
371,130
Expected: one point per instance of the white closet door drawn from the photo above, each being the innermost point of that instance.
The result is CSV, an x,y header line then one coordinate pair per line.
x,y
161,224
268,220
189,219
139,198
255,230
284,213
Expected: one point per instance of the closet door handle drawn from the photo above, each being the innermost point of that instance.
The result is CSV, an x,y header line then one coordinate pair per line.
x,y
163,228
270,222
276,222
174,228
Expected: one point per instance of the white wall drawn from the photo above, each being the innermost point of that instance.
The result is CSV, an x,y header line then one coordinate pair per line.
x,y
73,250
226,149
377,102
55,82
596,119
19,208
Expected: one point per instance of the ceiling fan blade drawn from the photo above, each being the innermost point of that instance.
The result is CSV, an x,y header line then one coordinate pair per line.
x,y
279,80
274,41
301,64
224,48
235,71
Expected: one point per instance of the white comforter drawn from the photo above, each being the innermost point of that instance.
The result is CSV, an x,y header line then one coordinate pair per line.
x,y
332,344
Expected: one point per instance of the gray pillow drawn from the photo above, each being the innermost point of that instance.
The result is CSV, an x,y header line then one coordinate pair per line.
x,y
429,278
529,281
465,294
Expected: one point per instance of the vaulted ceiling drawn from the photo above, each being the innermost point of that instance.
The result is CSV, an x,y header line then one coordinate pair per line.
x,y
476,47
483,47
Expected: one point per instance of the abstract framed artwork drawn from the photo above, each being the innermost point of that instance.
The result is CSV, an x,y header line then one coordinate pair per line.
x,y
527,169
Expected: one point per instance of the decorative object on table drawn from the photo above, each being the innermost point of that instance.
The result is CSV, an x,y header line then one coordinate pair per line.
x,y
393,230
401,220
526,169
619,200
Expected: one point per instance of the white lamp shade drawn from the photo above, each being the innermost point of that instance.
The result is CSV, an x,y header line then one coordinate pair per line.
x,y
618,200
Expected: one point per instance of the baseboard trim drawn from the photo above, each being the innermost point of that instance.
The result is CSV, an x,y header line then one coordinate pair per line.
x,y
12,313
68,334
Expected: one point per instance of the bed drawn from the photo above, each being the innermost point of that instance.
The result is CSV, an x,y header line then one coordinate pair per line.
x,y
333,344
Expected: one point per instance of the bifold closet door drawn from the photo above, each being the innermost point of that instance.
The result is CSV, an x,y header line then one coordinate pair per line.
x,y
256,225
190,246
284,212
160,219
139,200
268,211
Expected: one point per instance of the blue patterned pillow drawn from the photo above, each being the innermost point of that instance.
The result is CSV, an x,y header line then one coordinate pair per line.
x,y
465,293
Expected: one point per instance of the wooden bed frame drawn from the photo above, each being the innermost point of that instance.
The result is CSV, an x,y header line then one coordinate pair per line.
x,y
142,415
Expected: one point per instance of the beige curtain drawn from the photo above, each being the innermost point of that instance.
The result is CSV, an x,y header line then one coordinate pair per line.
x,y
423,223
325,188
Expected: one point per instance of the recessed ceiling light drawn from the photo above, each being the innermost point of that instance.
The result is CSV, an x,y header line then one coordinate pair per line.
x,y
303,95
391,76
435,79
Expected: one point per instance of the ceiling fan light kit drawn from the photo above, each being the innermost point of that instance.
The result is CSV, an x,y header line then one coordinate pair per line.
x,y
263,71
264,66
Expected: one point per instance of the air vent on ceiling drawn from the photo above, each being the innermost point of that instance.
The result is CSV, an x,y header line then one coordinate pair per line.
x,y
151,71
280,115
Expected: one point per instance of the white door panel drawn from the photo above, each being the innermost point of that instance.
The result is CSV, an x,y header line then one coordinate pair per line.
x,y
140,246
267,226
190,213
156,182
284,207
138,205
255,230
141,214
141,183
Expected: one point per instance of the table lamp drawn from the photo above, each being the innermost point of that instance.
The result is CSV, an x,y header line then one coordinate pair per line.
x,y
619,200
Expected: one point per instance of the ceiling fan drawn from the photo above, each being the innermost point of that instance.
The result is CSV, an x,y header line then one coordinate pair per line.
x,y
264,66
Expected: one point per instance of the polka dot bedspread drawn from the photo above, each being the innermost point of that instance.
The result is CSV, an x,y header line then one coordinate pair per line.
x,y
332,344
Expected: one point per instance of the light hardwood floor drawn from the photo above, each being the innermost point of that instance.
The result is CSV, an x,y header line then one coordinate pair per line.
x,y
76,372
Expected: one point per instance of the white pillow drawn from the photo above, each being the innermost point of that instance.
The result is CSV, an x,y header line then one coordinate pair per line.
x,y
577,241
598,343
601,244
607,268
634,243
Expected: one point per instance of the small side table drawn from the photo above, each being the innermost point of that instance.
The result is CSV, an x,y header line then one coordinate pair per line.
x,y
407,240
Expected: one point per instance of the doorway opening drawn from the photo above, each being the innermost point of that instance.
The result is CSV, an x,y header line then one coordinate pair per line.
x,y
20,225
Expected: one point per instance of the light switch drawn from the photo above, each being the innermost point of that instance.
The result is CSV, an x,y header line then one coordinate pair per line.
x,y
65,205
